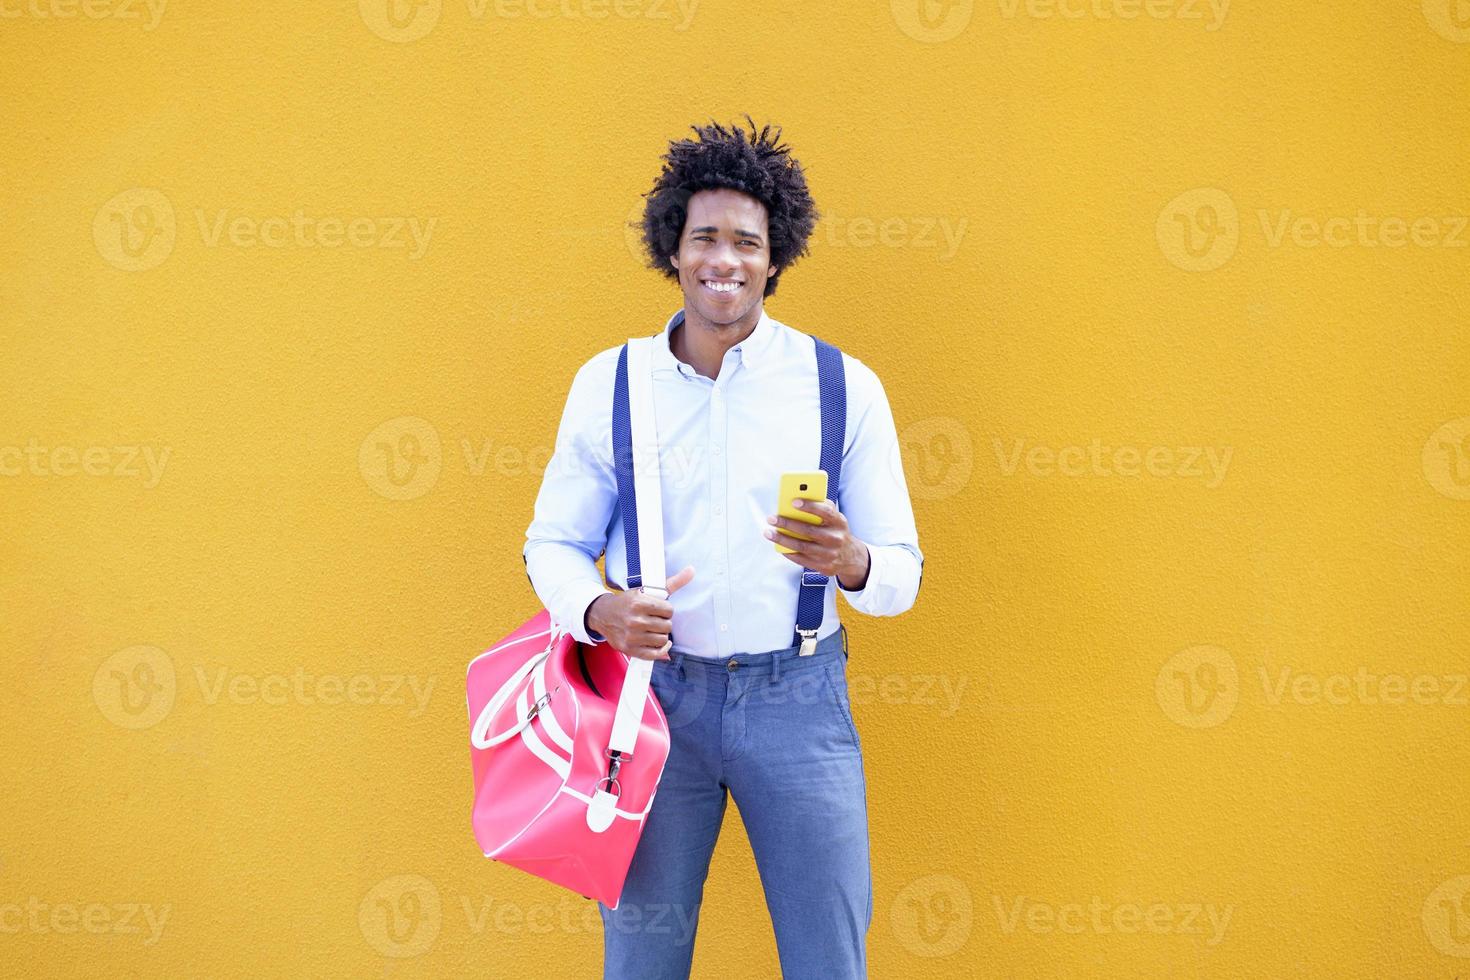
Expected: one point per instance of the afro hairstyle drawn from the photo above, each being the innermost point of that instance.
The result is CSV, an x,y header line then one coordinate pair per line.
x,y
756,164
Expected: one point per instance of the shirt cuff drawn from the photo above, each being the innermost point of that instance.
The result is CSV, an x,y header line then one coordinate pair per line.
x,y
576,608
875,567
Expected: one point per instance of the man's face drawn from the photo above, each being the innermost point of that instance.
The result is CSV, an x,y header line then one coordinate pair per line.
x,y
724,256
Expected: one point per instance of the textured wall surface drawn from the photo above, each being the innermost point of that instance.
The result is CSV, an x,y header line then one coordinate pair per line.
x,y
1169,300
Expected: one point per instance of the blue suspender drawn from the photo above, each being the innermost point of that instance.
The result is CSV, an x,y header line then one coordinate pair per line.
x,y
832,389
832,386
622,435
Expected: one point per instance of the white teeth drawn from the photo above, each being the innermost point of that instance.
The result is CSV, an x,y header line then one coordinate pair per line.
x,y
723,287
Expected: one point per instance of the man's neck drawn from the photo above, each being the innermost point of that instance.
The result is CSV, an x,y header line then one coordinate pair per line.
x,y
702,344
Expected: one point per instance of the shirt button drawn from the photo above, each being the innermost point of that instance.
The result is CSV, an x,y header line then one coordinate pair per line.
x,y
719,510
717,450
724,627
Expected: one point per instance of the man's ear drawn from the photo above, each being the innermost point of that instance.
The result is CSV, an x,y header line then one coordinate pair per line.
x,y
674,260
770,272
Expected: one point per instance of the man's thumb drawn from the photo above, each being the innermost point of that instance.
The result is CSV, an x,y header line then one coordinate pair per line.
x,y
679,581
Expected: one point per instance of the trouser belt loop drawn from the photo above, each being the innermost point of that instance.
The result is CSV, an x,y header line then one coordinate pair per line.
x,y
776,667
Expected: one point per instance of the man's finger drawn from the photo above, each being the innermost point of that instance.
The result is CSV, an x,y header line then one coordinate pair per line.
x,y
788,541
824,509
659,609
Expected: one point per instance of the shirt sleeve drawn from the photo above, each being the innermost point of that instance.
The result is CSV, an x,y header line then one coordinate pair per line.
x,y
574,507
875,501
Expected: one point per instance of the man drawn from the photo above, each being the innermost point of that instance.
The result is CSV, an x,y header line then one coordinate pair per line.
x,y
737,404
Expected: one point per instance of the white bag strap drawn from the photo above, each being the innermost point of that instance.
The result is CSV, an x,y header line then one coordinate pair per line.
x,y
649,503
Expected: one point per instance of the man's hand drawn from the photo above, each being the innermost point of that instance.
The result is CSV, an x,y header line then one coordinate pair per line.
x,y
637,623
834,551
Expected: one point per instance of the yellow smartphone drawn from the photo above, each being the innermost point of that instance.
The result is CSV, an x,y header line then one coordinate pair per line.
x,y
808,485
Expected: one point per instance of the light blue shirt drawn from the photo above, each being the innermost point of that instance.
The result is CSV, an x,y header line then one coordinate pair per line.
x,y
723,445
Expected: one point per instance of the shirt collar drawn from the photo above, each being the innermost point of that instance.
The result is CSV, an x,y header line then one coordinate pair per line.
x,y
751,350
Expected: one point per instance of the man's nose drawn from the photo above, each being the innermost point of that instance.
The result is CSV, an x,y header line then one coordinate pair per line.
x,y
724,259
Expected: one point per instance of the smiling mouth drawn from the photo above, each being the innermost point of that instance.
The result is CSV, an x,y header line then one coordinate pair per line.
x,y
721,288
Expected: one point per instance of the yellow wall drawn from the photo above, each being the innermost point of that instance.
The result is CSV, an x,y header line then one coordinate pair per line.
x,y
1192,483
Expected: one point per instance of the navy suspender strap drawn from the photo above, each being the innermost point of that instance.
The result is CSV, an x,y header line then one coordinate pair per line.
x,y
832,392
622,435
832,389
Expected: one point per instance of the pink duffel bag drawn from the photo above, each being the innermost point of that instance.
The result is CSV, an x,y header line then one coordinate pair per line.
x,y
549,798
568,740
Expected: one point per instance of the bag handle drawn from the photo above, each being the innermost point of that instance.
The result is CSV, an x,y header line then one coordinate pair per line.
x,y
480,736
